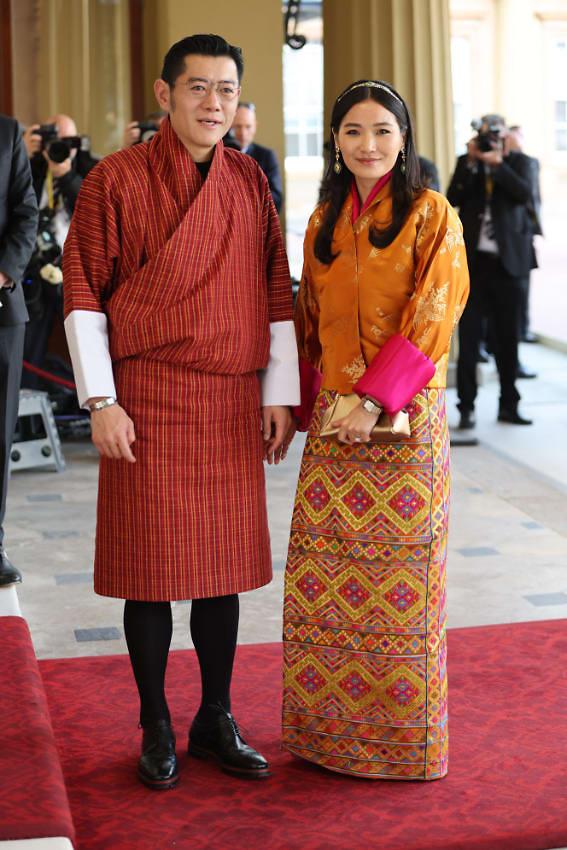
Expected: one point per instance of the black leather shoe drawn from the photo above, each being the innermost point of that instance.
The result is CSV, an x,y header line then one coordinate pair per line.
x,y
467,421
512,417
157,767
216,735
8,573
522,372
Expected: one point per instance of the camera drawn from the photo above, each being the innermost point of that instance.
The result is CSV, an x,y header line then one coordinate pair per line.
x,y
147,129
58,150
48,133
488,134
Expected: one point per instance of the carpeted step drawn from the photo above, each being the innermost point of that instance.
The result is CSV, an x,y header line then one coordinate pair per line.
x,y
506,788
33,798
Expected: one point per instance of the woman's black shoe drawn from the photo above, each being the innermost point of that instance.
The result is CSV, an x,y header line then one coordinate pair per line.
x,y
157,767
216,735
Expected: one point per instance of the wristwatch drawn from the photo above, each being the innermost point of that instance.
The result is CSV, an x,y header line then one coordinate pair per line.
x,y
370,406
104,402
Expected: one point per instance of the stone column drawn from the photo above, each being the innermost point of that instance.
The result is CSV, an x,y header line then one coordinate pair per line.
x,y
406,43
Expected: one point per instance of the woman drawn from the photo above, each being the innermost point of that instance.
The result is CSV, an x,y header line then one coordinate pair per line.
x,y
384,283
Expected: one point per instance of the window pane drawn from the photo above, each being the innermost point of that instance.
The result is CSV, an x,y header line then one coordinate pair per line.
x,y
561,140
561,110
313,148
292,144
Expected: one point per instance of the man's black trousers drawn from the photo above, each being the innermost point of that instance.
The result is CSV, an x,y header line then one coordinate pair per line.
x,y
11,354
497,296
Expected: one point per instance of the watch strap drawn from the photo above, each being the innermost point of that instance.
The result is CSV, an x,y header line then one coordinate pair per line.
x,y
104,402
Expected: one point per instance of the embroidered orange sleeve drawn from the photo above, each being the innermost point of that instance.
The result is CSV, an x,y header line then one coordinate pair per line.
x,y
441,280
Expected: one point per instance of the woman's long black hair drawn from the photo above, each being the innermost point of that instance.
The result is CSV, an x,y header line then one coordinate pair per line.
x,y
406,186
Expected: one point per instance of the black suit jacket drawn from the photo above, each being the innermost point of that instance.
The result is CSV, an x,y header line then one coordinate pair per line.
x,y
18,219
268,162
511,205
536,194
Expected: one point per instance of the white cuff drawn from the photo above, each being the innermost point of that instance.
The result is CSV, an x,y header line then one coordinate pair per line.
x,y
279,381
87,337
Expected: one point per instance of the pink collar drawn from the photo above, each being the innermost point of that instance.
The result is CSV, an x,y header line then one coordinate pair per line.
x,y
357,206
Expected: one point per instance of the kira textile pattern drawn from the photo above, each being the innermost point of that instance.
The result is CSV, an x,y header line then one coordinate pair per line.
x,y
506,789
365,682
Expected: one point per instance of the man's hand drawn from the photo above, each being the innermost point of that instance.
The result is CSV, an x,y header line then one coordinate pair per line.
x,y
5,281
131,134
493,157
32,140
113,432
58,169
357,426
276,421
473,150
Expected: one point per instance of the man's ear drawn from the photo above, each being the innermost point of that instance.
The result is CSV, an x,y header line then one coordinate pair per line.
x,y
162,94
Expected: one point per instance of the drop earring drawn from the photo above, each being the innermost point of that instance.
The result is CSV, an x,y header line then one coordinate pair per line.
x,y
403,165
337,167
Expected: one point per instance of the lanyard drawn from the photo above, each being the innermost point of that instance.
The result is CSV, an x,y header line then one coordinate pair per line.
x,y
49,189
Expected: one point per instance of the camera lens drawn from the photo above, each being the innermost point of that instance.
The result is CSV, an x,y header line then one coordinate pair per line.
x,y
58,151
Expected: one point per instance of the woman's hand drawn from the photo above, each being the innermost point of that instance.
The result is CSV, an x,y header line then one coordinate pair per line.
x,y
357,426
113,433
276,420
291,432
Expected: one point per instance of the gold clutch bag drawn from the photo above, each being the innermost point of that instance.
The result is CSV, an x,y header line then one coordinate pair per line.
x,y
388,428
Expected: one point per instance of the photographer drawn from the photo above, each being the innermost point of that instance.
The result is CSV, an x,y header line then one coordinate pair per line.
x,y
142,131
492,189
59,162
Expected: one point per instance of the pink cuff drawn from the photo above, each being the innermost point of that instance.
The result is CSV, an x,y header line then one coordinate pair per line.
x,y
310,383
397,373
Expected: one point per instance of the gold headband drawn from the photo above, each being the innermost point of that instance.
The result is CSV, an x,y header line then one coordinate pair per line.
x,y
373,85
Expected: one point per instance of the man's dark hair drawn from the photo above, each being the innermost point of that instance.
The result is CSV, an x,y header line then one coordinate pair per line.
x,y
200,45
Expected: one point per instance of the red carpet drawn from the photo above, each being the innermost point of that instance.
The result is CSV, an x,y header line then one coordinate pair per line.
x,y
506,789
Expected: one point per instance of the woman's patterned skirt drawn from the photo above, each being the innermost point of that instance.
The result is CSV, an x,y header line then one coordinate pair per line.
x,y
365,681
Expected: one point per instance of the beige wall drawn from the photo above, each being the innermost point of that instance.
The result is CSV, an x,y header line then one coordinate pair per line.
x,y
255,26
72,56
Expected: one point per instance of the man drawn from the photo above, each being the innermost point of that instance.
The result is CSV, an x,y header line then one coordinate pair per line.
x,y
58,168
18,228
515,142
142,131
177,293
243,131
493,193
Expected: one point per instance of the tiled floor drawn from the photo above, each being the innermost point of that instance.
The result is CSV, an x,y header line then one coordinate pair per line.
x,y
508,541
